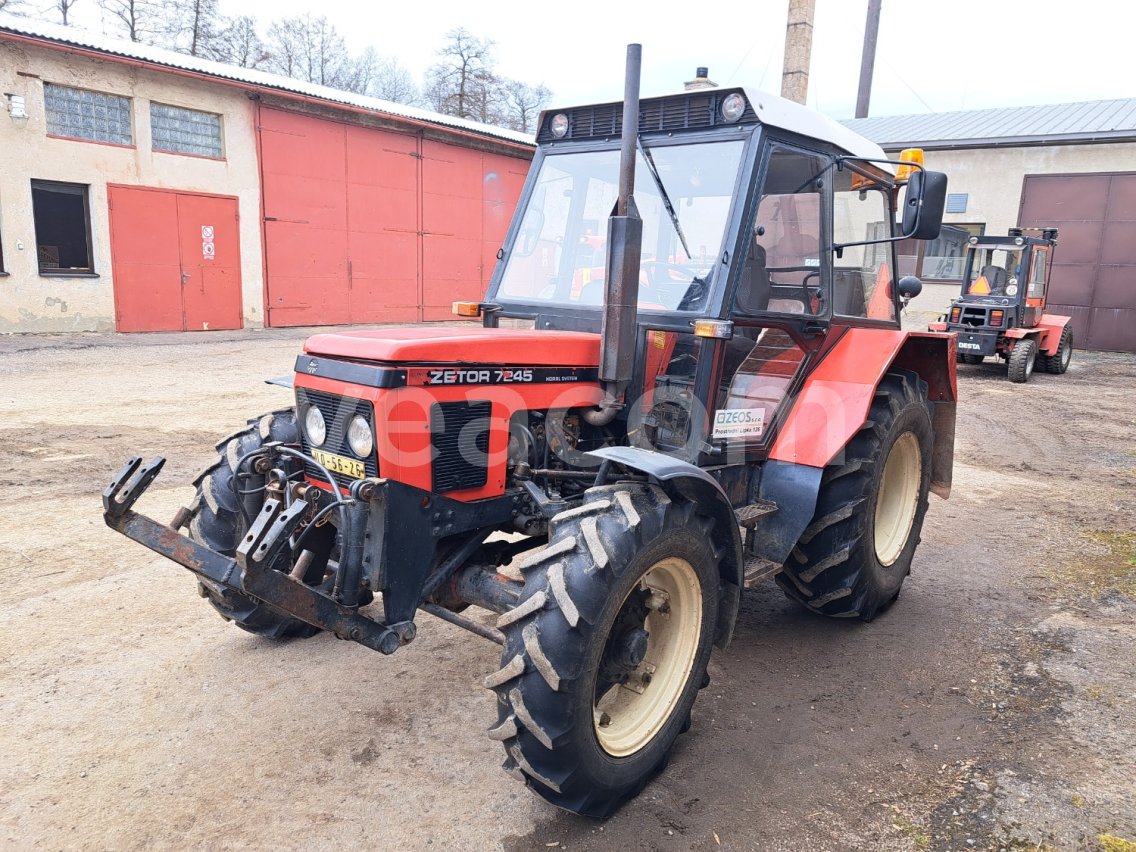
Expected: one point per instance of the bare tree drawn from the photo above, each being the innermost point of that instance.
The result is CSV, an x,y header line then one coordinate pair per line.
x,y
63,7
14,7
311,49
239,43
141,19
522,104
191,26
383,77
460,83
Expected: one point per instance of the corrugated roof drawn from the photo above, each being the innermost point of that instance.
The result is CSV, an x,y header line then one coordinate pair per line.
x,y
54,33
1088,121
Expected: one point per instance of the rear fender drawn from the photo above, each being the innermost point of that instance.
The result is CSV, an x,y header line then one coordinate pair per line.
x,y
834,400
1051,327
679,478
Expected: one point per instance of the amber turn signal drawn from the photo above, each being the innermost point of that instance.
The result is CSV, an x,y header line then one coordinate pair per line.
x,y
467,309
722,329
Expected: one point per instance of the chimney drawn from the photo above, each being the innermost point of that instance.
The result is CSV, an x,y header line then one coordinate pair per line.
x,y
701,80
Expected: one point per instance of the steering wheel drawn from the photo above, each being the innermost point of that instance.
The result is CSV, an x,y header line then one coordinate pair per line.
x,y
654,270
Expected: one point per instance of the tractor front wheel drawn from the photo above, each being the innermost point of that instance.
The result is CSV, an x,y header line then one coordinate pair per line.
x,y
219,521
853,557
607,648
1022,359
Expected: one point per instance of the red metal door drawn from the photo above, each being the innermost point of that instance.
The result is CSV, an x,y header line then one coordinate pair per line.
x,y
210,262
145,259
176,260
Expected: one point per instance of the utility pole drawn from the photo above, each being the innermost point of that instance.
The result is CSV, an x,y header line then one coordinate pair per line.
x,y
868,61
798,50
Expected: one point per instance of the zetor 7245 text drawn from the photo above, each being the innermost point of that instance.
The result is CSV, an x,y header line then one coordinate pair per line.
x,y
689,377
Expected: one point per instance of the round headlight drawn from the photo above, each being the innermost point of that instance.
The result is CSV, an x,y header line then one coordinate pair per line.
x,y
559,125
314,426
732,107
359,437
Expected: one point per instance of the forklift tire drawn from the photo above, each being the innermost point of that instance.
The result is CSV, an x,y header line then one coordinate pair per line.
x,y
217,523
1023,357
1058,363
972,359
607,648
853,557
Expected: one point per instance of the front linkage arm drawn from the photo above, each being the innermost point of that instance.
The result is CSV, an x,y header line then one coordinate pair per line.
x,y
390,536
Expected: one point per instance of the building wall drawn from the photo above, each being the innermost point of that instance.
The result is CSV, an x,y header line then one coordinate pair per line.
x,y
34,302
993,176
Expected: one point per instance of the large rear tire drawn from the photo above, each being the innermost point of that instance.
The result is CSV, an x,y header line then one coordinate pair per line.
x,y
607,648
853,557
1058,363
218,523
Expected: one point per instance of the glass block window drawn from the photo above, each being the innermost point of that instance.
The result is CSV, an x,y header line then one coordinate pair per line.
x,y
185,131
80,114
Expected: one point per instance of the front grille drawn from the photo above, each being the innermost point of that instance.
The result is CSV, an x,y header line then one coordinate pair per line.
x,y
974,316
680,112
337,413
459,435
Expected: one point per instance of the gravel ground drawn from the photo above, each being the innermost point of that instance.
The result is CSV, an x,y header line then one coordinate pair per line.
x,y
991,708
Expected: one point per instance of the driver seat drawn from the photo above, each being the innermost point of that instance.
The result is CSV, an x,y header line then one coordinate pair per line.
x,y
755,286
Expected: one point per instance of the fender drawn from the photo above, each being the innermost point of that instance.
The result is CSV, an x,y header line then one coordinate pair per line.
x,y
695,484
833,403
1048,332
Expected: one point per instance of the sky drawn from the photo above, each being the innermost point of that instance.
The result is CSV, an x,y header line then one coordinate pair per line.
x,y
930,57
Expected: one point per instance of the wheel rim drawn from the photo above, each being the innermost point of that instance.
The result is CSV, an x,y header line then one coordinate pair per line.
x,y
898,497
1030,360
628,716
1066,353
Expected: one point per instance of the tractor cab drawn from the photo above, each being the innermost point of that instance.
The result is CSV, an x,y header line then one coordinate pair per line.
x,y
760,227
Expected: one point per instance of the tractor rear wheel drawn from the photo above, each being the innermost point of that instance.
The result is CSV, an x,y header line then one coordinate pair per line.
x,y
853,558
218,522
1058,363
607,648
1022,359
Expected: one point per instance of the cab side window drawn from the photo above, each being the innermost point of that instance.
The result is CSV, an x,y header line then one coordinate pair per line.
x,y
1037,274
861,274
781,270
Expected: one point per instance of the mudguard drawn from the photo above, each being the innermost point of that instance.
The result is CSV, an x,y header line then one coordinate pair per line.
x,y
696,485
833,403
1048,332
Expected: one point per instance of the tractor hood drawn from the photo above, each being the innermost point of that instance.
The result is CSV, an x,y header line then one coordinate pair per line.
x,y
455,345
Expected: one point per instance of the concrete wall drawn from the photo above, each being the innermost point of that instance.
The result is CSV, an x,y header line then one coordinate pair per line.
x,y
993,176
31,302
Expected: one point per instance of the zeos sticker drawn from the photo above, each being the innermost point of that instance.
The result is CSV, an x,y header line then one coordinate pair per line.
x,y
739,423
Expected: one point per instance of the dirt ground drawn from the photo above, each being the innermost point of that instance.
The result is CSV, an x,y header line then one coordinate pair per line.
x,y
991,708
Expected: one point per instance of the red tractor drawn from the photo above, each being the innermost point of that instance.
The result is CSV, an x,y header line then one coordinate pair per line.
x,y
1001,310
714,392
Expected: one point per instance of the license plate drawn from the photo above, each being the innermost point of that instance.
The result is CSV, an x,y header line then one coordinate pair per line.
x,y
964,345
340,464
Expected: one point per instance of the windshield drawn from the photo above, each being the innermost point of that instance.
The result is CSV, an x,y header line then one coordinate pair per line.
x,y
993,272
560,253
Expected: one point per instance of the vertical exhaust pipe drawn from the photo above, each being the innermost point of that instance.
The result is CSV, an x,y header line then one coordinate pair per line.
x,y
625,242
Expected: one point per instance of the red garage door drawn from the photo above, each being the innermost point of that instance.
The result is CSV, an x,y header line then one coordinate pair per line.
x,y
366,225
176,260
1094,266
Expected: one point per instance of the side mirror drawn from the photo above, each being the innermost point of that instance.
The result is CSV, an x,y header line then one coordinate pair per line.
x,y
909,287
924,204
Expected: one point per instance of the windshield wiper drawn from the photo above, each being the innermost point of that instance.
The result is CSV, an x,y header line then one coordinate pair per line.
x,y
663,193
